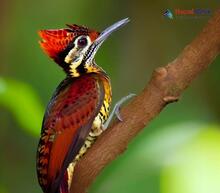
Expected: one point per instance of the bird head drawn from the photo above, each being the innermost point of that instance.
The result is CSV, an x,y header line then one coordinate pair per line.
x,y
74,48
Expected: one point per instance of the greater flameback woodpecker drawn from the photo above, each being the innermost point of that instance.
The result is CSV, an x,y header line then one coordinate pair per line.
x,y
78,110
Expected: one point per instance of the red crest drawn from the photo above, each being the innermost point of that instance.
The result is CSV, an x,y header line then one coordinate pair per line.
x,y
55,41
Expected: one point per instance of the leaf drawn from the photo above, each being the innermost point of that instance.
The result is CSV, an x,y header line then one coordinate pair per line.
x,y
22,101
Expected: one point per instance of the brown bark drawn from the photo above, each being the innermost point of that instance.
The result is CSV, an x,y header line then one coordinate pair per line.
x,y
165,86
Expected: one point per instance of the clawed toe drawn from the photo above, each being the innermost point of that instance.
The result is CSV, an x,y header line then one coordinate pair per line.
x,y
116,109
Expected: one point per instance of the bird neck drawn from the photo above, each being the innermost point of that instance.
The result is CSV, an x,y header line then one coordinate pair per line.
x,y
83,69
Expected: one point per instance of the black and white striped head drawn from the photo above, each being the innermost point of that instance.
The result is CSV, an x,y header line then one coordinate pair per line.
x,y
74,48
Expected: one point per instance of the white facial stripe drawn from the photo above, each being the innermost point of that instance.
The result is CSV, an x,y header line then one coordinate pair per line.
x,y
70,55
76,55
76,52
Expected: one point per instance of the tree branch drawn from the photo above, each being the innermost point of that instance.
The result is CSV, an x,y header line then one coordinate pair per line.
x,y
165,86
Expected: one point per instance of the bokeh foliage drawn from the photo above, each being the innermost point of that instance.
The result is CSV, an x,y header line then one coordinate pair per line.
x,y
23,102
178,152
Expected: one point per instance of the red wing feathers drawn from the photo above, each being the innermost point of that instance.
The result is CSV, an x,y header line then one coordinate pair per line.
x,y
67,122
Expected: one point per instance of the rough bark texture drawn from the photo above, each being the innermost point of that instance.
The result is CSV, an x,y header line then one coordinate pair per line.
x,y
165,86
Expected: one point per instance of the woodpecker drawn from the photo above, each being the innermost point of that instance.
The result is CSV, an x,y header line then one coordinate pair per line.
x,y
78,111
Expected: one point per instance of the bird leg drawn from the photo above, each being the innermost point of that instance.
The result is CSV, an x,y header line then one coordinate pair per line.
x,y
116,110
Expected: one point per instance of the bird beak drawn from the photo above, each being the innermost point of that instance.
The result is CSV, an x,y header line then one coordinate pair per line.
x,y
102,37
108,31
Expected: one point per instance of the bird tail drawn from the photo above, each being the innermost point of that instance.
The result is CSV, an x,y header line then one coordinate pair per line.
x,y
64,187
67,179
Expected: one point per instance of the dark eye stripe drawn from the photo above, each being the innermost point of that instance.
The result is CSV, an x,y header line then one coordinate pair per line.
x,y
70,46
64,53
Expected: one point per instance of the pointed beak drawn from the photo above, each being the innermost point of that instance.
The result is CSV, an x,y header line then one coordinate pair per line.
x,y
108,31
103,36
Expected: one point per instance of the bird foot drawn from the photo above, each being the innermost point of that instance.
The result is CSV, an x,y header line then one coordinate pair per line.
x,y
116,110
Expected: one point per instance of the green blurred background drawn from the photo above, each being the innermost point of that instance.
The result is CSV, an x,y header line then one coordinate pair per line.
x,y
179,152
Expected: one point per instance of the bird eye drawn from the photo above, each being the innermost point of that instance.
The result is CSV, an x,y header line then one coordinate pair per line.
x,y
82,42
